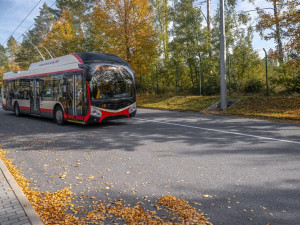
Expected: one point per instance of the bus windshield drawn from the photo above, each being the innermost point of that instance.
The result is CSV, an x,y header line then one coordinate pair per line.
x,y
111,82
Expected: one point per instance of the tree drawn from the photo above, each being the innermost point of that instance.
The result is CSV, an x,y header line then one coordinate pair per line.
x,y
283,24
272,22
42,26
4,62
27,53
246,74
187,36
291,21
162,21
13,47
63,38
80,11
125,28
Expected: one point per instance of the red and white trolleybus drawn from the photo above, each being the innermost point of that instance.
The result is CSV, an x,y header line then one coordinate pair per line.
x,y
80,87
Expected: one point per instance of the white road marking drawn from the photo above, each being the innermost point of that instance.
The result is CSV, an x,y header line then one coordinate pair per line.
x,y
221,131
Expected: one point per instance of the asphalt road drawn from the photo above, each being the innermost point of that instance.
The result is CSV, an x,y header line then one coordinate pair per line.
x,y
250,167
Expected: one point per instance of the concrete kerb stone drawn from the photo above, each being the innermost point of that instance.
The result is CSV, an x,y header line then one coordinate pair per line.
x,y
30,212
217,105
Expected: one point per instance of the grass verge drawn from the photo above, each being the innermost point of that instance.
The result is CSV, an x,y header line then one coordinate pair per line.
x,y
279,108
282,108
185,103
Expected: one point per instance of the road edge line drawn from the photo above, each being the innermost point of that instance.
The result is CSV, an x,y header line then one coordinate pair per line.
x,y
29,210
220,131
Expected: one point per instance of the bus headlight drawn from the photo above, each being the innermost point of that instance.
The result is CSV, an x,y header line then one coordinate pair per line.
x,y
132,108
96,112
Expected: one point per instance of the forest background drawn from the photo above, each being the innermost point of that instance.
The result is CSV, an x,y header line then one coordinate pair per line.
x,y
172,45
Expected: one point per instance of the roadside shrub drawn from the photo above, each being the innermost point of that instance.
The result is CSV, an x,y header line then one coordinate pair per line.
x,y
253,86
293,85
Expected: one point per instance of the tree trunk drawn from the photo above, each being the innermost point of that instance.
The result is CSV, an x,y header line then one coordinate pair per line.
x,y
128,57
191,73
166,34
277,35
208,29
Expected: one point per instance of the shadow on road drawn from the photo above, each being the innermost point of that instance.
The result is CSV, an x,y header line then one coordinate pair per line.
x,y
180,146
39,133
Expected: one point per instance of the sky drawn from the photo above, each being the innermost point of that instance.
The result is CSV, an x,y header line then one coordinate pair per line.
x,y
12,12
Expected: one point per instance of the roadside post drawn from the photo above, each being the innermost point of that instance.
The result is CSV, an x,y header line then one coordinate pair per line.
x,y
141,82
176,78
156,74
267,78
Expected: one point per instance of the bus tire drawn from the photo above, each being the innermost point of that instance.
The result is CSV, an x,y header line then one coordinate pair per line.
x,y
59,115
17,110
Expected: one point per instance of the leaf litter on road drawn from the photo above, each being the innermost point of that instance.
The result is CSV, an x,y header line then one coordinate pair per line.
x,y
58,208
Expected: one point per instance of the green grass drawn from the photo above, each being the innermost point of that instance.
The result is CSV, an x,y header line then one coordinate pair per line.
x,y
287,108
282,108
185,103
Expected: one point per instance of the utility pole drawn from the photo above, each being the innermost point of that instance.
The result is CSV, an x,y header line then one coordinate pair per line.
x,y
222,58
229,78
200,76
267,78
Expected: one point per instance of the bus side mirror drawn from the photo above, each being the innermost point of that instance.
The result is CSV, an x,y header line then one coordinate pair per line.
x,y
87,71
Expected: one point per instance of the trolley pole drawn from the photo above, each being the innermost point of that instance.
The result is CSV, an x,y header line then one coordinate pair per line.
x,y
267,78
222,58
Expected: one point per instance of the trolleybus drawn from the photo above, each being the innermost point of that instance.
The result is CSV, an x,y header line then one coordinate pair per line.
x,y
80,87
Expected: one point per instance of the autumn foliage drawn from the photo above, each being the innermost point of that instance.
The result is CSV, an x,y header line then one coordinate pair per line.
x,y
51,207
125,28
173,48
63,37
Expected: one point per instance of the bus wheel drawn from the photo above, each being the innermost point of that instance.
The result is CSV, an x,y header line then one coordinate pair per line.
x,y
59,116
17,110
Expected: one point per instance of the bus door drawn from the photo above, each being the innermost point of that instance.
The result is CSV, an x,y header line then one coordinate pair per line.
x,y
75,97
35,96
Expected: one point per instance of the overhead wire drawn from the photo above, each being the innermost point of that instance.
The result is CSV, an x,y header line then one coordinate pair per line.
x,y
34,22
22,21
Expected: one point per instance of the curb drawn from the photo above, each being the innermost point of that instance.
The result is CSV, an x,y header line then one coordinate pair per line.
x,y
30,212
210,113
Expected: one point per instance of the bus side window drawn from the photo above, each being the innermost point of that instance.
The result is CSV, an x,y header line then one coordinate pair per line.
x,y
24,88
47,87
65,82
11,89
5,88
58,86
28,88
31,84
64,91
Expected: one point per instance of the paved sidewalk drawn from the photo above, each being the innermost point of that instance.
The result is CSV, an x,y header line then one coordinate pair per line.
x,y
15,208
